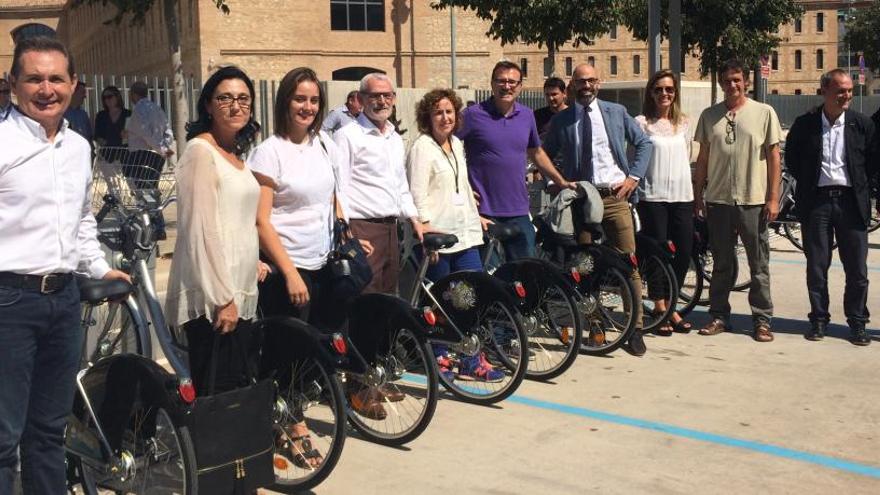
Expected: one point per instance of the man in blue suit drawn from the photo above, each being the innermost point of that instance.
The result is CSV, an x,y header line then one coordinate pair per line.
x,y
589,141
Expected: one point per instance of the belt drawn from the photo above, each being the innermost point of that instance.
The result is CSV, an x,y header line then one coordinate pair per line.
x,y
380,220
604,192
46,284
833,191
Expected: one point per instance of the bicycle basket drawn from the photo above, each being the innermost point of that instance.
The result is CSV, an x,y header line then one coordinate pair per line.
x,y
138,178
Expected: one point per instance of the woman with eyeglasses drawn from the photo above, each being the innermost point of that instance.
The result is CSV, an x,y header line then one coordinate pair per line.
x,y
666,193
212,286
110,122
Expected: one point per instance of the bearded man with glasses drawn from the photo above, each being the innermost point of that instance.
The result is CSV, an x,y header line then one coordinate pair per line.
x,y
739,171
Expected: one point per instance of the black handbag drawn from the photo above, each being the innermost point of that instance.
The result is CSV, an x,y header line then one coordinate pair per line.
x,y
232,433
350,271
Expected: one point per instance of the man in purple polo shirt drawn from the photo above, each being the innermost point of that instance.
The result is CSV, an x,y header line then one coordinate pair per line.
x,y
500,136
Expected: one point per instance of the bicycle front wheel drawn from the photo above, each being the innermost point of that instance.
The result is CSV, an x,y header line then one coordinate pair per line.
x,y
554,329
409,397
609,306
501,357
691,289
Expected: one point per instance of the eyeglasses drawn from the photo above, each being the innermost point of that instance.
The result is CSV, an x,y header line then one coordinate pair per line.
x,y
730,137
659,90
507,82
225,101
380,96
592,81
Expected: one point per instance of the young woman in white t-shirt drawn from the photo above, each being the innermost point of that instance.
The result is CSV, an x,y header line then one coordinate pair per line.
x,y
666,195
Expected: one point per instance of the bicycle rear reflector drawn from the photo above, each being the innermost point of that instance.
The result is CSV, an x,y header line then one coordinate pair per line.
x,y
187,391
520,290
429,316
339,343
575,275
670,246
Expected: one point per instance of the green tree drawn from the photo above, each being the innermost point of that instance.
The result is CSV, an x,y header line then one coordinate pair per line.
x,y
718,30
862,30
546,23
136,10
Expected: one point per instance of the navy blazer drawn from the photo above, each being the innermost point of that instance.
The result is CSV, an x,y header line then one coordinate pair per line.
x,y
803,158
563,141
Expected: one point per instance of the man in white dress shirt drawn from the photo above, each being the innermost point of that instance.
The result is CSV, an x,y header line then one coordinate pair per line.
x,y
372,178
48,232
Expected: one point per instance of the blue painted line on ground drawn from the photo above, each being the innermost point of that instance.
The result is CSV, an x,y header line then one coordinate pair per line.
x,y
702,436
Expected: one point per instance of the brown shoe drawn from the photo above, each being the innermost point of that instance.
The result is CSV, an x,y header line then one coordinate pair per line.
x,y
714,327
367,404
391,393
763,333
596,337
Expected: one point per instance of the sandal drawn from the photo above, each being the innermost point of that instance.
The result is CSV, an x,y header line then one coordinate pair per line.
x,y
299,456
682,326
664,329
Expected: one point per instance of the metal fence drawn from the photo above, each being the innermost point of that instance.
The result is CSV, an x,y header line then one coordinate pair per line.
x,y
790,107
531,98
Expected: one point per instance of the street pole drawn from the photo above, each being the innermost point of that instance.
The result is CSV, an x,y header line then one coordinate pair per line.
x,y
675,53
452,44
654,12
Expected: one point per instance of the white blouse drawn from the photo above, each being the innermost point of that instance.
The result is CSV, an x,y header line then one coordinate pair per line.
x,y
669,173
302,207
442,193
217,249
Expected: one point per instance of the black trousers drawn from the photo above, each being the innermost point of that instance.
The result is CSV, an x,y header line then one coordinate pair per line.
x,y
231,371
671,221
322,310
837,217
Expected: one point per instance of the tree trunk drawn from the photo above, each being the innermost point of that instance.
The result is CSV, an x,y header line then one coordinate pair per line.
x,y
181,105
714,79
551,54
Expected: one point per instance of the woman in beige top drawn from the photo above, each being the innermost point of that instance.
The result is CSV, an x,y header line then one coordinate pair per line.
x,y
212,288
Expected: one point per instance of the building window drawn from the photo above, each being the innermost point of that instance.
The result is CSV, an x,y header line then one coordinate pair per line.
x,y
775,92
614,32
797,91
524,65
569,66
30,31
774,60
591,61
820,22
548,62
637,64
357,15
820,59
798,25
613,65
797,60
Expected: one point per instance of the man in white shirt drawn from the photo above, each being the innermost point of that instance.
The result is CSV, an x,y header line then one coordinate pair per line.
x,y
343,115
372,178
48,232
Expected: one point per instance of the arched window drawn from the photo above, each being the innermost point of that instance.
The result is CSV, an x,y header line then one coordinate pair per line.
x,y
31,30
353,73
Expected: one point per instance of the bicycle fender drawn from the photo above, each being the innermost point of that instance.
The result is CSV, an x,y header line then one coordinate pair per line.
x,y
463,295
535,274
116,383
286,339
647,246
374,318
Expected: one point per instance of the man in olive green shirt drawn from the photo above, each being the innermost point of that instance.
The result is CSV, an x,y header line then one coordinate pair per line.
x,y
739,155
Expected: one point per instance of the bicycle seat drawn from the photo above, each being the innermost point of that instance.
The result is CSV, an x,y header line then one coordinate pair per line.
x,y
434,242
503,232
98,291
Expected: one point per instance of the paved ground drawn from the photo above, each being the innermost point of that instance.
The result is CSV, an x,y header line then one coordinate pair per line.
x,y
720,414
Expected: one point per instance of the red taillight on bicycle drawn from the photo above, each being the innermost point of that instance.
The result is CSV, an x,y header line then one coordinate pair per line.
x,y
520,290
575,275
633,260
187,391
670,246
339,343
429,316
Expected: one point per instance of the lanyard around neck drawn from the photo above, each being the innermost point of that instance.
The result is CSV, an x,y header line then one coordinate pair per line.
x,y
453,167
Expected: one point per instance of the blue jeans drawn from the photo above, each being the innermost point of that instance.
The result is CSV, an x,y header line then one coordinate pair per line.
x,y
467,260
522,246
40,341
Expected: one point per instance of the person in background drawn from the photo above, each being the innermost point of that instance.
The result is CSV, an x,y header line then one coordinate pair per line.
x,y
76,117
554,94
343,114
438,177
47,233
666,195
739,170
831,151
110,121
147,128
5,99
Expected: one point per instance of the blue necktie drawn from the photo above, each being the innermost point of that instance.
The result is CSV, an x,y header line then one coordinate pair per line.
x,y
585,171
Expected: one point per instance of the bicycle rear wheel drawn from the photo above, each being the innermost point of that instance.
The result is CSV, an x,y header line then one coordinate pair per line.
x,y
554,329
658,286
609,307
503,345
741,274
412,397
308,393
691,289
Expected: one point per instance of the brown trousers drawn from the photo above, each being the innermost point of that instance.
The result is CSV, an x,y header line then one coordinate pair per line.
x,y
617,222
385,260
